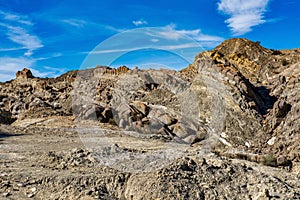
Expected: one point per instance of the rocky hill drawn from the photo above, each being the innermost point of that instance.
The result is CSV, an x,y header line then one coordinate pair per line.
x,y
264,84
236,111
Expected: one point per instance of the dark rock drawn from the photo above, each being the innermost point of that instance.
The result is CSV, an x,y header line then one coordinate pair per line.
x,y
6,117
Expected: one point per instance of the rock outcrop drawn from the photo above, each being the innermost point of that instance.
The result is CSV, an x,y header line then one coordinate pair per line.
x,y
25,74
262,88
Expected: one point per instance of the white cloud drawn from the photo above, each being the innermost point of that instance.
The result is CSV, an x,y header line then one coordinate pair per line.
x,y
163,47
107,51
88,25
9,66
171,33
140,22
16,34
11,49
179,46
165,38
54,55
18,31
20,36
5,77
244,14
199,36
75,22
16,18
114,29
154,40
52,72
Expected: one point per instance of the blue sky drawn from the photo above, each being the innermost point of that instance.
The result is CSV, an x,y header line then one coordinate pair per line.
x,y
53,36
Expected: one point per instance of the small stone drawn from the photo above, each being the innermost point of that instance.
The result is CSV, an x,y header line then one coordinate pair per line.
x,y
247,144
56,105
271,141
32,182
6,194
224,135
223,141
89,192
3,174
33,189
282,161
77,150
20,184
264,195
30,195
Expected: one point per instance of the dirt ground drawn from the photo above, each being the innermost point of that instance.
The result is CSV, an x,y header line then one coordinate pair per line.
x,y
40,161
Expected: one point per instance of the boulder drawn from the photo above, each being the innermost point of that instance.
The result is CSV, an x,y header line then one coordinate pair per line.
x,y
6,117
140,107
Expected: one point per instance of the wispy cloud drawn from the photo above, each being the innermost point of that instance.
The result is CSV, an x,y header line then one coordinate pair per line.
x,y
9,66
165,38
21,36
11,49
89,25
163,47
18,31
172,33
154,40
54,55
140,22
199,36
16,18
17,35
114,29
243,14
184,43
75,22
51,72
